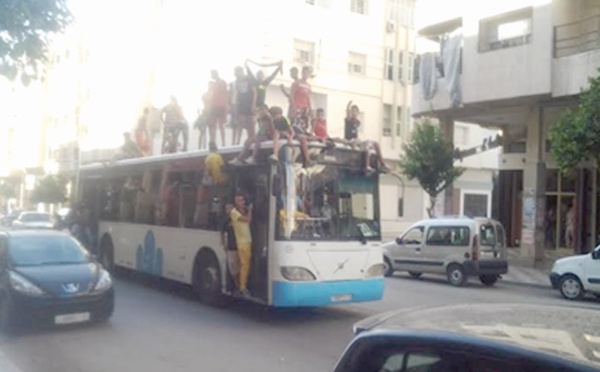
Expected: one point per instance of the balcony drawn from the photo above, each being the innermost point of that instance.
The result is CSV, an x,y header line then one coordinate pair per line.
x,y
577,37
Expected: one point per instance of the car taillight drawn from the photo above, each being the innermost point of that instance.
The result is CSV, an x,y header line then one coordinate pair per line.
x,y
475,249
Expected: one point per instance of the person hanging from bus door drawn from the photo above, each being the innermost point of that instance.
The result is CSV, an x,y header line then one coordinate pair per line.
x,y
245,103
230,248
241,219
218,97
259,80
351,125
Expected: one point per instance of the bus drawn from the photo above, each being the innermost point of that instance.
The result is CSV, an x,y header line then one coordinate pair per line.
x,y
316,229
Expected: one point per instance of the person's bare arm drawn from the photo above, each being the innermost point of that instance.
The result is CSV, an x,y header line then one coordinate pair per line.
x,y
271,77
284,91
254,98
348,114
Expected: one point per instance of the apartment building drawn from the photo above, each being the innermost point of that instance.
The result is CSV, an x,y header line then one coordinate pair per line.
x,y
523,64
360,50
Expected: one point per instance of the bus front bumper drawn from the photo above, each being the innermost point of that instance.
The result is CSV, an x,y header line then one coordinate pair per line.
x,y
312,294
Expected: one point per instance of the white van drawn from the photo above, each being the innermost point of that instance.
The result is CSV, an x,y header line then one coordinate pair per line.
x,y
458,247
576,275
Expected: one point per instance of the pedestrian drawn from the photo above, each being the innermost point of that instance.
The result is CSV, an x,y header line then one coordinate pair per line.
x,y
241,217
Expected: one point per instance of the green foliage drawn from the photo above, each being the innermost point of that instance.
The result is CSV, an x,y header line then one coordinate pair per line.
x,y
25,26
576,135
8,188
50,189
428,158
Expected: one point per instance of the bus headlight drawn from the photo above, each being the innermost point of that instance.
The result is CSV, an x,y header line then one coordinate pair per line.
x,y
375,270
297,274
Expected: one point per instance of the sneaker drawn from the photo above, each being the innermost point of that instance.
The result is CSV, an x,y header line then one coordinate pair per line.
x,y
235,161
250,160
244,293
273,159
384,169
369,171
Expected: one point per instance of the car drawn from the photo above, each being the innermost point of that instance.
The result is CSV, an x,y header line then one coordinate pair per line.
x,y
34,220
577,275
8,219
48,278
455,246
476,337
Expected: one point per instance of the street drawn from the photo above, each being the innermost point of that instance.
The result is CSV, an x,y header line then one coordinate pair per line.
x,y
161,327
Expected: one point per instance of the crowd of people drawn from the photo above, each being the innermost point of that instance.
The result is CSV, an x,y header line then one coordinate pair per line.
x,y
242,105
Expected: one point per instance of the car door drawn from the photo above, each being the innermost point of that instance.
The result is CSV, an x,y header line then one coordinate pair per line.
x,y
444,244
592,271
407,251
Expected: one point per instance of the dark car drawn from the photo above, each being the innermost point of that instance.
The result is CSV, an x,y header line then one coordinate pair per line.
x,y
47,277
492,337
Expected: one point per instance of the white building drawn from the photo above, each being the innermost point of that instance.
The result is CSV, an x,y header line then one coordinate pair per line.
x,y
360,50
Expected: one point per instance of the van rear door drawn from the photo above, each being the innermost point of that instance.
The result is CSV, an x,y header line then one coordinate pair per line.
x,y
489,244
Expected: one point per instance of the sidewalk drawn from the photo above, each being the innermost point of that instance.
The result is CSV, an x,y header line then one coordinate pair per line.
x,y
522,274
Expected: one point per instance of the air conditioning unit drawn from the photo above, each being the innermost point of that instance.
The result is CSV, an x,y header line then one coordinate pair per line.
x,y
390,26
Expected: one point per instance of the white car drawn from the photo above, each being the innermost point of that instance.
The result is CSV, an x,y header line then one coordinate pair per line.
x,y
577,275
34,220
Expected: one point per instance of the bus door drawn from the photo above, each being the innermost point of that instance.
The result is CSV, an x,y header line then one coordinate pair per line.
x,y
254,182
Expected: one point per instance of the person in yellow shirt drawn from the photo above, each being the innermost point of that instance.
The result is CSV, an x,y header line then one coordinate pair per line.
x,y
214,166
240,221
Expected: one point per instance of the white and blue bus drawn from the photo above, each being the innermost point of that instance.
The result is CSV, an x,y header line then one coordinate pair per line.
x,y
316,230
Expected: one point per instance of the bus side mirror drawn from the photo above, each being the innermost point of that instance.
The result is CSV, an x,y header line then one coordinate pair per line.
x,y
276,186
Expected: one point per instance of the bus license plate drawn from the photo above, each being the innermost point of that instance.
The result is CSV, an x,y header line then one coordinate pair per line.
x,y
341,298
72,318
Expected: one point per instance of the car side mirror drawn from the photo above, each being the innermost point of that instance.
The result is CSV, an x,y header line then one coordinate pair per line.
x,y
399,241
596,254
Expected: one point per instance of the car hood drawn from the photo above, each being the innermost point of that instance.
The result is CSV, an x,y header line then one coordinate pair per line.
x,y
62,280
560,330
570,259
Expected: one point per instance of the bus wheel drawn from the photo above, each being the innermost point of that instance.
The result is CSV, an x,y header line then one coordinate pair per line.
x,y
207,279
107,254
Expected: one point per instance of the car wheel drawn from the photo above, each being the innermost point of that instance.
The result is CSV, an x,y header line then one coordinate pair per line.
x,y
456,275
488,280
571,287
414,274
389,270
207,280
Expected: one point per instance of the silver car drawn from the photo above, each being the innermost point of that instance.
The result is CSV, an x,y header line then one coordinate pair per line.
x,y
34,220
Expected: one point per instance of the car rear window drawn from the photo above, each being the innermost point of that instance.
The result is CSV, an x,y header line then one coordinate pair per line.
x,y
34,250
36,217
488,235
448,235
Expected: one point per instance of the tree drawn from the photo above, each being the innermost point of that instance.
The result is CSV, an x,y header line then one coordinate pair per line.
x,y
50,190
575,137
25,26
429,158
8,188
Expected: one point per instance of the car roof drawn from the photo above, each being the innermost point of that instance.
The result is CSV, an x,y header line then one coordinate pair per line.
x,y
454,220
570,332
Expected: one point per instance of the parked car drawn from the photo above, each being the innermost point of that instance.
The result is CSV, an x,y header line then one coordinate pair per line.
x,y
8,219
577,275
476,337
47,277
458,247
34,220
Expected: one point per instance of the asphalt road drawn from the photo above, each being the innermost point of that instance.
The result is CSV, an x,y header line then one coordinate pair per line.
x,y
161,327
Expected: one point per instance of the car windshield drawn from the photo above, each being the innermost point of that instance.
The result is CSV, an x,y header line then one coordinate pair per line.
x,y
34,250
328,202
35,217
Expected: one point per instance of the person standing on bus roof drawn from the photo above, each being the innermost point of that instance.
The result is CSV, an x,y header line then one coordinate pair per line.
x,y
142,138
243,237
245,102
174,122
230,247
129,148
218,106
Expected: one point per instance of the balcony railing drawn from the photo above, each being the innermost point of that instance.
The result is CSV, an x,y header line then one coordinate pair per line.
x,y
577,37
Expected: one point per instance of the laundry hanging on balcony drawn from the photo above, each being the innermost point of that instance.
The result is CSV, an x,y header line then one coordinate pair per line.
x,y
428,76
451,55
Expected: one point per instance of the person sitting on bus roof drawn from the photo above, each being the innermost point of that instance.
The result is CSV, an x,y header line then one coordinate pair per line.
x,y
282,124
129,148
351,125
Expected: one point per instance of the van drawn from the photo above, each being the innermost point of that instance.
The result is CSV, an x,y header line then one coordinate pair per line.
x,y
458,247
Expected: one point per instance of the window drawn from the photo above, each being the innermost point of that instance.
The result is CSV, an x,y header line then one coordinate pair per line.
x,y
475,205
389,64
357,63
387,120
400,65
359,6
321,3
407,12
506,31
458,236
408,117
461,135
304,52
399,121
413,236
410,67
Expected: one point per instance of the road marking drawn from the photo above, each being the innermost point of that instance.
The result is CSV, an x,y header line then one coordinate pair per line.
x,y
6,365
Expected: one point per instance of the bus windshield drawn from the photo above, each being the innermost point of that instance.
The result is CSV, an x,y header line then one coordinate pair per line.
x,y
328,202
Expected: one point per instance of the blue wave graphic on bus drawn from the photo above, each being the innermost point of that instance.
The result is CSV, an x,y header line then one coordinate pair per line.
x,y
149,258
